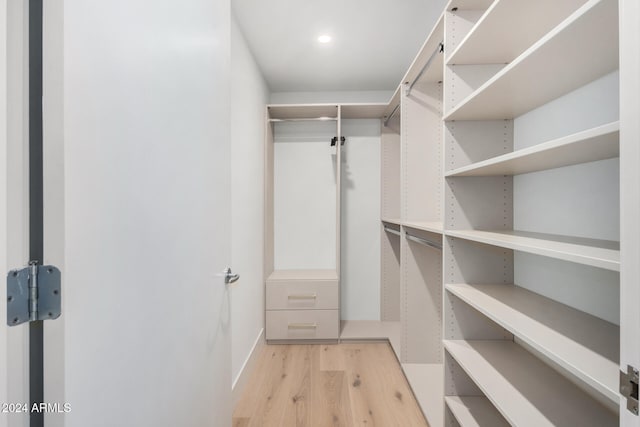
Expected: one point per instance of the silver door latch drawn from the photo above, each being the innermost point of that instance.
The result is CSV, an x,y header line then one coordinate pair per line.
x,y
33,293
629,388
229,277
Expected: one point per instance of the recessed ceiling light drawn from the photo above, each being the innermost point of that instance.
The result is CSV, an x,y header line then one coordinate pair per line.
x,y
324,38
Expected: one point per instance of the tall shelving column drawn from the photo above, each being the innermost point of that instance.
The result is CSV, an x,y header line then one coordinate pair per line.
x,y
390,219
518,352
421,212
302,281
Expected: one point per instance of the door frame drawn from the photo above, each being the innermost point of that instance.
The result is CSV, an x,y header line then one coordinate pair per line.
x,y
629,13
14,200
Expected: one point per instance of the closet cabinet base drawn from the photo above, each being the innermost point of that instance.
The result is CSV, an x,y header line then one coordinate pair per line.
x,y
295,325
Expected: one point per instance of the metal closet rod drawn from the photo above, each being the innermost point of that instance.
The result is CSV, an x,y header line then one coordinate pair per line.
x,y
386,121
392,231
306,119
425,242
438,50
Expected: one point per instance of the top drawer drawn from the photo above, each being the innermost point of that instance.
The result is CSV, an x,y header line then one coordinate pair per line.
x,y
302,294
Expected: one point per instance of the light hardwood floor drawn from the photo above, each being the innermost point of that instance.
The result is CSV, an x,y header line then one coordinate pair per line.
x,y
328,385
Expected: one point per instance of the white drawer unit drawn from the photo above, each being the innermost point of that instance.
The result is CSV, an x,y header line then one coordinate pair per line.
x,y
302,305
302,325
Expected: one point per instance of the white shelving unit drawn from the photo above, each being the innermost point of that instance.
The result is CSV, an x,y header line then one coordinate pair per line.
x,y
411,278
474,411
513,353
583,344
525,390
303,303
511,93
425,380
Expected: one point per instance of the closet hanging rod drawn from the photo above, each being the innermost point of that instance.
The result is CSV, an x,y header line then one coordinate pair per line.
x,y
306,119
425,242
386,121
438,50
392,231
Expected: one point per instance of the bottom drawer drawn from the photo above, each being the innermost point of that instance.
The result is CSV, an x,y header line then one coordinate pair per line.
x,y
302,325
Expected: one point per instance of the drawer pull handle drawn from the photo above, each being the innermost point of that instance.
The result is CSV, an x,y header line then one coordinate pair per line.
x,y
309,296
302,326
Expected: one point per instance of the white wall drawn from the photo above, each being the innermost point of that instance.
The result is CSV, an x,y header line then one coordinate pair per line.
x,y
360,266
305,195
581,200
249,94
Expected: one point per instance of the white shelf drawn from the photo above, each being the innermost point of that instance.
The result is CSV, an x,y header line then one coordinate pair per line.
x,y
584,345
598,143
524,22
362,111
374,330
396,221
315,111
302,111
427,383
597,253
303,275
525,390
578,51
474,411
433,227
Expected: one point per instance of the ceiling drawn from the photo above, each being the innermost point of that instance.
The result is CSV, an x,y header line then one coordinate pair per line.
x,y
373,41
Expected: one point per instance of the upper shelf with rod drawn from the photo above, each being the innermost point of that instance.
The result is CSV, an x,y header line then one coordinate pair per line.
x,y
285,112
428,64
527,21
325,112
579,50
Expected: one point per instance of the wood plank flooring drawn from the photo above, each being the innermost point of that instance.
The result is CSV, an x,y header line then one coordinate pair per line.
x,y
328,385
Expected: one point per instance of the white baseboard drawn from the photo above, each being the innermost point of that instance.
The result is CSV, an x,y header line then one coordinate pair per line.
x,y
247,368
